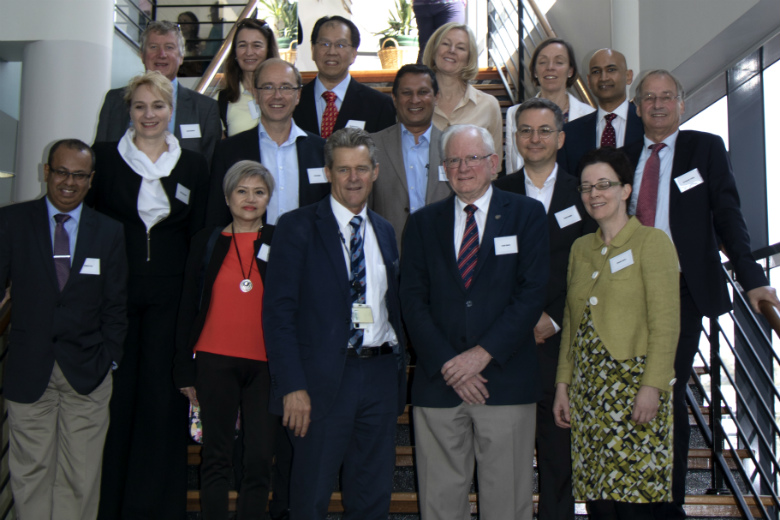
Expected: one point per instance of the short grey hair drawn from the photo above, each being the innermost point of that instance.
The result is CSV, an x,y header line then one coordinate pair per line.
x,y
540,104
487,139
243,170
659,72
349,137
163,28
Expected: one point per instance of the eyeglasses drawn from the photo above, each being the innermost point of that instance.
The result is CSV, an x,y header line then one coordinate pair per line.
x,y
79,177
452,163
284,90
543,133
601,186
650,99
340,45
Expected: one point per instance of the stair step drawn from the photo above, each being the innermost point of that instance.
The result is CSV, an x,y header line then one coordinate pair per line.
x,y
695,505
404,457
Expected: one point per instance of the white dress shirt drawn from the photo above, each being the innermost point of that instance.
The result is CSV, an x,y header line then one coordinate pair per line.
x,y
619,123
483,205
666,156
381,331
543,195
282,162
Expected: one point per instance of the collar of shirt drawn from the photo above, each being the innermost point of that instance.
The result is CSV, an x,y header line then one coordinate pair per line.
x,y
343,216
621,111
483,205
71,226
319,89
670,142
543,194
295,133
407,138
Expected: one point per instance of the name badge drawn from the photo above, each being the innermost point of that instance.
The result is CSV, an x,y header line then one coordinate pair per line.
x,y
182,193
317,175
91,266
442,174
505,245
567,217
688,180
354,123
254,110
621,261
265,249
191,131
361,315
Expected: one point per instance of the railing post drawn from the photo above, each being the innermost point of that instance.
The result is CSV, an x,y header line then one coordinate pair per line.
x,y
716,475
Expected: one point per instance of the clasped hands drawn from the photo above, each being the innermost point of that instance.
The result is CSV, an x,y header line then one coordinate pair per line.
x,y
463,374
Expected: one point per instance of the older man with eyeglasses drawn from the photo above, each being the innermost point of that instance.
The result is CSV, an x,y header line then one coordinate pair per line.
x,y
334,100
473,283
294,156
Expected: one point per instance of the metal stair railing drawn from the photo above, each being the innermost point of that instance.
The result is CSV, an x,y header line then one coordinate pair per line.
x,y
738,363
130,19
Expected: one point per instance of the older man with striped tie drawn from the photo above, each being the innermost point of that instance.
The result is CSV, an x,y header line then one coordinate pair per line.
x,y
473,285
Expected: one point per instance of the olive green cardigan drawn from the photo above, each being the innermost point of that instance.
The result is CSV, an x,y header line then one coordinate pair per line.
x,y
635,309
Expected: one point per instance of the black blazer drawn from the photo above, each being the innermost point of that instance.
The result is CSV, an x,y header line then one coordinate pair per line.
x,y
581,138
82,327
498,311
704,217
199,280
565,195
191,108
361,103
114,193
246,146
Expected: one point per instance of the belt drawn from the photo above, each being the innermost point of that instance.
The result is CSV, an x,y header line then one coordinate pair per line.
x,y
369,352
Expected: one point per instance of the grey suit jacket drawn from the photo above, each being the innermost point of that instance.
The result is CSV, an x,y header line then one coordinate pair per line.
x,y
191,108
390,195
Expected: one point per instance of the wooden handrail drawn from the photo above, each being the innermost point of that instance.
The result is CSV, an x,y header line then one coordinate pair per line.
x,y
579,86
772,314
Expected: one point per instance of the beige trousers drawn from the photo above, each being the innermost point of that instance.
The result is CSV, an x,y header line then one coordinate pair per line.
x,y
56,451
500,438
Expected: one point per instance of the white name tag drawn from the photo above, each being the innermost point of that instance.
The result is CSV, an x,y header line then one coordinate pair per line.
x,y
621,261
689,180
567,217
191,131
265,249
353,123
317,175
442,174
362,315
254,110
91,266
505,245
182,193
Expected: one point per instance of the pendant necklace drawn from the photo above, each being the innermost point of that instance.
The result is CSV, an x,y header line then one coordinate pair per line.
x,y
246,283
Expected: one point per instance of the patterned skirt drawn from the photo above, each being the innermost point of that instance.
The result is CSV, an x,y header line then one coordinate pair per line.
x,y
614,458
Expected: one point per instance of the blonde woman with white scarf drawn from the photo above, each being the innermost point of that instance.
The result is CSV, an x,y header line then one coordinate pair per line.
x,y
158,191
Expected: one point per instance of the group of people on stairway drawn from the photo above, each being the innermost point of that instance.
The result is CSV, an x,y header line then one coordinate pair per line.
x,y
275,257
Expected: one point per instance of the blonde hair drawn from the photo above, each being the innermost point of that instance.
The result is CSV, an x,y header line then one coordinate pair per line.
x,y
156,82
471,69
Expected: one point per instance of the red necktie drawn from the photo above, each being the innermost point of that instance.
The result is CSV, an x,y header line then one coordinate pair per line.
x,y
648,192
469,246
608,137
329,115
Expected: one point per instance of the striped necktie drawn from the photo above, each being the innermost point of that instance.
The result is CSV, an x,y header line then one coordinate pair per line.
x,y
469,246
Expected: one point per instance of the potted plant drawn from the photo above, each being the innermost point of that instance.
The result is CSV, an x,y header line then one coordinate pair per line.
x,y
285,15
400,26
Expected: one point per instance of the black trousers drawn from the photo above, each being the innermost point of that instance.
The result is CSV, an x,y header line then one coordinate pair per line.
x,y
553,444
224,385
611,510
145,456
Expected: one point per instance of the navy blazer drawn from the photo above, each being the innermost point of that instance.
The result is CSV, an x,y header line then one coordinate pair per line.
x,y
199,277
581,138
191,108
704,217
246,146
82,327
565,196
499,310
307,306
361,103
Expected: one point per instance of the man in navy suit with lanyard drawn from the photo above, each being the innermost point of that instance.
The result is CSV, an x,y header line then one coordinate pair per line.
x,y
684,185
335,344
68,268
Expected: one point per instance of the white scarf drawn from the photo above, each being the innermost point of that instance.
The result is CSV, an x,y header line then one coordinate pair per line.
x,y
153,203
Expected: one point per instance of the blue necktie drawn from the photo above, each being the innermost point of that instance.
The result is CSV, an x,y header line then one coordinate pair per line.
x,y
358,268
469,246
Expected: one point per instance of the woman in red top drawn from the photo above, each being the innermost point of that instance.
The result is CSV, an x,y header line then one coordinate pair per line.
x,y
219,320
